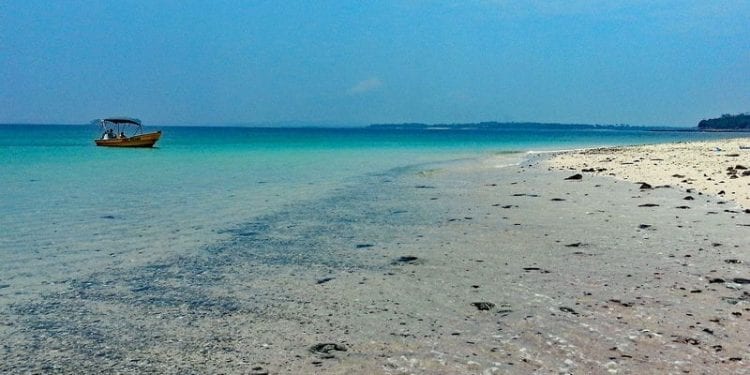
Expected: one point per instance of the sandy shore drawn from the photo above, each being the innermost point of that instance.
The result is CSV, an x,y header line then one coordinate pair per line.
x,y
462,269
717,168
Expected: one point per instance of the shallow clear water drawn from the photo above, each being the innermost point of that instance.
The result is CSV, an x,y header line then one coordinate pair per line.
x,y
68,207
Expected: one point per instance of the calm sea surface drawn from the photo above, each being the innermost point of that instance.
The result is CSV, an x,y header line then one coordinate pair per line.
x,y
68,208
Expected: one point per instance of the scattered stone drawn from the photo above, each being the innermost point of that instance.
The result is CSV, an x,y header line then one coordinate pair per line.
x,y
324,280
648,205
424,187
732,261
406,259
688,198
557,199
734,301
687,340
109,217
678,176
324,350
582,253
575,244
483,306
504,310
644,226
715,280
683,207
568,310
576,176
527,269
645,186
257,370
623,304
741,280
364,245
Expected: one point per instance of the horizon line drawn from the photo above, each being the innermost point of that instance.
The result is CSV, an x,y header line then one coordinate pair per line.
x,y
323,125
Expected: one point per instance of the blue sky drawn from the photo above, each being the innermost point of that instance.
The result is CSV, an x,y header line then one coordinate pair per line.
x,y
358,62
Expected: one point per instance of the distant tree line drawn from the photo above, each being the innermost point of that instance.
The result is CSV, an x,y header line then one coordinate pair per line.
x,y
727,122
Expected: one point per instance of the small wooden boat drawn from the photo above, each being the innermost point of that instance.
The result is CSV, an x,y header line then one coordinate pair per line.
x,y
114,133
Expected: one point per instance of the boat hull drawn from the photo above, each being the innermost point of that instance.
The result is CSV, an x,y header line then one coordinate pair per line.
x,y
140,140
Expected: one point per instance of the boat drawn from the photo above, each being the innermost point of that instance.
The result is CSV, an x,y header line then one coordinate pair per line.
x,y
113,133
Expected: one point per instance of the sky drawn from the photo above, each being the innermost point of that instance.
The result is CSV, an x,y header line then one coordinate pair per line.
x,y
350,63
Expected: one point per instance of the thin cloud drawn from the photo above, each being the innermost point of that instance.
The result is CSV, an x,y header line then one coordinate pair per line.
x,y
366,85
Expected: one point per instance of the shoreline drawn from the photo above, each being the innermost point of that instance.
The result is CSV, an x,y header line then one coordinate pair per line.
x,y
456,268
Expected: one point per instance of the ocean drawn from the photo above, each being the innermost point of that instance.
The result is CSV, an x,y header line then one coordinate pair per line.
x,y
138,260
68,208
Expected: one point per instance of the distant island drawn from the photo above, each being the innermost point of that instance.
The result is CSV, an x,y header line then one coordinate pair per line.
x,y
493,125
727,122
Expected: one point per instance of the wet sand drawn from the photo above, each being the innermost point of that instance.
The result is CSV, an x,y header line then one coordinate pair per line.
x,y
460,269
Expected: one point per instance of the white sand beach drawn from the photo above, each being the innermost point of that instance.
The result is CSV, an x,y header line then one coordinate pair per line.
x,y
711,167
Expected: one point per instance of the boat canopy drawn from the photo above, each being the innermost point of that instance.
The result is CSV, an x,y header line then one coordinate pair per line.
x,y
118,120
119,124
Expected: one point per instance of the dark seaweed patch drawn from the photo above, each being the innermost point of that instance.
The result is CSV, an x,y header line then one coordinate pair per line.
x,y
101,321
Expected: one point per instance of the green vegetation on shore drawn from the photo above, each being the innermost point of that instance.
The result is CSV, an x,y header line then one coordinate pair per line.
x,y
727,122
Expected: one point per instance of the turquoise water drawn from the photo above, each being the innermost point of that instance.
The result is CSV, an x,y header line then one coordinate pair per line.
x,y
158,260
68,207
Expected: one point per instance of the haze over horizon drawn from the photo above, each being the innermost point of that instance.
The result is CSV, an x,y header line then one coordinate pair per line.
x,y
666,63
